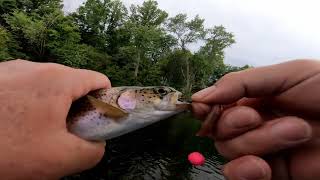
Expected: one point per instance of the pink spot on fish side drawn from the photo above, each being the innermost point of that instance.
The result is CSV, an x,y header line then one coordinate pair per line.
x,y
196,158
126,102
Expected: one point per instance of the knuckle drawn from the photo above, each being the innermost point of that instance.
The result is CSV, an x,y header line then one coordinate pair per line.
x,y
306,63
21,61
50,68
232,76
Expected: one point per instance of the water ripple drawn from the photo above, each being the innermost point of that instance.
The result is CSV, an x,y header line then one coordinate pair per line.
x,y
158,152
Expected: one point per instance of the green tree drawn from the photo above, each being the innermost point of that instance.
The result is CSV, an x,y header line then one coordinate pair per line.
x,y
216,40
145,24
174,67
9,48
198,69
4,40
212,55
82,56
186,32
40,35
147,42
99,20
148,14
6,7
40,7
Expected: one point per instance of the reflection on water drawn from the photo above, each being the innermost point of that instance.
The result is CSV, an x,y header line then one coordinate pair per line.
x,y
157,152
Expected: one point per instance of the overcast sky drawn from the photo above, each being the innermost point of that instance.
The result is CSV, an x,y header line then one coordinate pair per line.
x,y
266,31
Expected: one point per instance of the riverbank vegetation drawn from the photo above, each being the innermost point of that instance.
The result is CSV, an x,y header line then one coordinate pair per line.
x,y
132,45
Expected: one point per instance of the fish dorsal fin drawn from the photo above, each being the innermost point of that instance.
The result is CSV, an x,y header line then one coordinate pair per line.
x,y
107,109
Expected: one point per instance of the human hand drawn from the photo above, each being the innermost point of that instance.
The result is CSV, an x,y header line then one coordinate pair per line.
x,y
35,99
270,126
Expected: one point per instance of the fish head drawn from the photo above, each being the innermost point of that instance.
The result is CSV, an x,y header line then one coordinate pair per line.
x,y
155,98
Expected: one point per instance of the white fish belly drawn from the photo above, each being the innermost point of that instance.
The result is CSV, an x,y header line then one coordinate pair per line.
x,y
94,126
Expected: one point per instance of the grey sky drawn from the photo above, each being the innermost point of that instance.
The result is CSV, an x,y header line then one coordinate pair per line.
x,y
266,31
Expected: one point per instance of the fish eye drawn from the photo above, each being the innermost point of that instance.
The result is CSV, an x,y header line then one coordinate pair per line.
x,y
162,91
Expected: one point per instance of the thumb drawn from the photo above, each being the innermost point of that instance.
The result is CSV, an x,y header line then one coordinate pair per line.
x,y
257,82
77,154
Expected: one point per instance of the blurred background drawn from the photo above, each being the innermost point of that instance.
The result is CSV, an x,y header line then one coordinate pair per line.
x,y
266,31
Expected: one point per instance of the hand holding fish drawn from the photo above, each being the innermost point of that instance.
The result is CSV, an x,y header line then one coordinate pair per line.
x,y
269,125
35,100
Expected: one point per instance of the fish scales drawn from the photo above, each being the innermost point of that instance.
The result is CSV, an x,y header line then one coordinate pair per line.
x,y
109,113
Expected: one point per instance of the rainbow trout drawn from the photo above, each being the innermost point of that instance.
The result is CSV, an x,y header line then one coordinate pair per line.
x,y
109,113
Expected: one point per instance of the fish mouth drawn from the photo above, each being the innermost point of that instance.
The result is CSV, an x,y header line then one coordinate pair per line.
x,y
182,103
174,102
185,100
185,106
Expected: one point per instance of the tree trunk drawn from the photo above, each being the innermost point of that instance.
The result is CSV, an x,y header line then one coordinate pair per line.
x,y
188,78
183,46
187,74
136,71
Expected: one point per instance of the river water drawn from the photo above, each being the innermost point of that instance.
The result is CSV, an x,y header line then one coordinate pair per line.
x,y
157,152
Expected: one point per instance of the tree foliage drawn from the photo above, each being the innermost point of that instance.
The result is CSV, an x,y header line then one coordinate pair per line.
x,y
185,31
99,20
4,39
135,45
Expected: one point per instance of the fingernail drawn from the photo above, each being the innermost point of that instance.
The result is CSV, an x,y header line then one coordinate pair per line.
x,y
251,170
292,132
203,93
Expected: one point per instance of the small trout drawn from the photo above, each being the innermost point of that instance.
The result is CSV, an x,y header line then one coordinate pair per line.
x,y
109,113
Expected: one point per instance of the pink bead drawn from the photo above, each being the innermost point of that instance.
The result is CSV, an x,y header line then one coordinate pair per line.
x,y
196,158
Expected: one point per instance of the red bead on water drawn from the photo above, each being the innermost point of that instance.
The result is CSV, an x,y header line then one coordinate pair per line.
x,y
196,158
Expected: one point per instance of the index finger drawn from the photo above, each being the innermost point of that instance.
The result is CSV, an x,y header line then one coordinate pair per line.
x,y
200,110
258,82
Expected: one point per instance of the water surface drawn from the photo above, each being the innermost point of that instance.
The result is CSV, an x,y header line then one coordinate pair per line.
x,y
157,152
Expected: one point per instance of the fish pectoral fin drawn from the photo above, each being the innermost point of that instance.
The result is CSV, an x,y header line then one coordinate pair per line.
x,y
107,109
